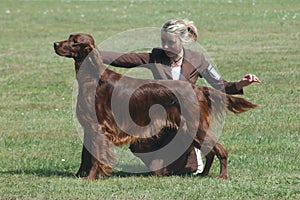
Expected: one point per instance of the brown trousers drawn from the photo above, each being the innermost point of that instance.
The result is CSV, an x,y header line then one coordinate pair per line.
x,y
185,164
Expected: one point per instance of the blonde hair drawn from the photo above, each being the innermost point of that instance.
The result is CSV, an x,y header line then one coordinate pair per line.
x,y
184,29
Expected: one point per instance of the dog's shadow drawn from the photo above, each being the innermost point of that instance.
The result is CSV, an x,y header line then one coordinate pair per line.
x,y
66,173
48,173
123,174
38,172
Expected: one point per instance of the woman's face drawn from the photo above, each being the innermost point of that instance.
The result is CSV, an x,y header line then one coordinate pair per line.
x,y
171,44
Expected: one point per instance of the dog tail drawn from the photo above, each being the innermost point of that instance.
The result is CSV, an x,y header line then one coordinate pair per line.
x,y
238,104
219,100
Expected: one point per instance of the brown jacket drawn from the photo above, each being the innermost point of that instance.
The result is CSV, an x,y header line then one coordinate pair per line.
x,y
194,65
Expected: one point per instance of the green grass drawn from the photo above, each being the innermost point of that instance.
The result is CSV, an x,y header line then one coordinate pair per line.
x,y
39,145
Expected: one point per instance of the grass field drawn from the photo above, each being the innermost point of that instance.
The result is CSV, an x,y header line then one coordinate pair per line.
x,y
39,145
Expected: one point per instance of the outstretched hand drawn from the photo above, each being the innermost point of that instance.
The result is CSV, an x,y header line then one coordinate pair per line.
x,y
247,80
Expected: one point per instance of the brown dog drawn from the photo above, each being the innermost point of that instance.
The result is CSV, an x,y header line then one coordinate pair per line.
x,y
103,117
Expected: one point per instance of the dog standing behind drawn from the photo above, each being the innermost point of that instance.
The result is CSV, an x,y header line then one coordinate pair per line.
x,y
102,130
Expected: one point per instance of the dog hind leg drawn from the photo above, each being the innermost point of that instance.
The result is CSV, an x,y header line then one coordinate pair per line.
x,y
222,155
207,143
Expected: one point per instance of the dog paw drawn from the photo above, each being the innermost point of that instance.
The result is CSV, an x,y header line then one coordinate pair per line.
x,y
223,177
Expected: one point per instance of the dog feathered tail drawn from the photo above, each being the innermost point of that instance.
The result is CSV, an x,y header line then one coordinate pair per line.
x,y
232,103
238,104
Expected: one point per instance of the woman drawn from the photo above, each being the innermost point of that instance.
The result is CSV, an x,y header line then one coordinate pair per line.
x,y
173,61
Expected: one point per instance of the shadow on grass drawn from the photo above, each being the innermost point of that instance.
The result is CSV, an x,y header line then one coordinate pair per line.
x,y
128,174
65,174
38,172
57,173
69,173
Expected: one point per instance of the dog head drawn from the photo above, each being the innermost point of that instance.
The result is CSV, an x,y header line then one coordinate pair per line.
x,y
81,47
77,46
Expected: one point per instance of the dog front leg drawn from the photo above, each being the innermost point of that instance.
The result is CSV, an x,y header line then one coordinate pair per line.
x,y
101,157
86,157
86,163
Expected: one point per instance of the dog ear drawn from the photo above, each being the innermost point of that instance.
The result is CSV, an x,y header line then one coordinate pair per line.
x,y
88,49
84,51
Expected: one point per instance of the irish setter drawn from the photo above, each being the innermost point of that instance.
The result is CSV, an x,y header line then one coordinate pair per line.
x,y
108,120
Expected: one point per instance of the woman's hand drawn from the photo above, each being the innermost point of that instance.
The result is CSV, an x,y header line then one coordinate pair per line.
x,y
247,80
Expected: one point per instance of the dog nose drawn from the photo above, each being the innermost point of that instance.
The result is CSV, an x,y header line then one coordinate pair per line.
x,y
56,44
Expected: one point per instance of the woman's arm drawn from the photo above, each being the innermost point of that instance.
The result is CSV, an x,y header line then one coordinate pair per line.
x,y
126,60
216,81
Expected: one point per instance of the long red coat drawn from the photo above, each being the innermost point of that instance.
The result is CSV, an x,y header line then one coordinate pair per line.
x,y
194,65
